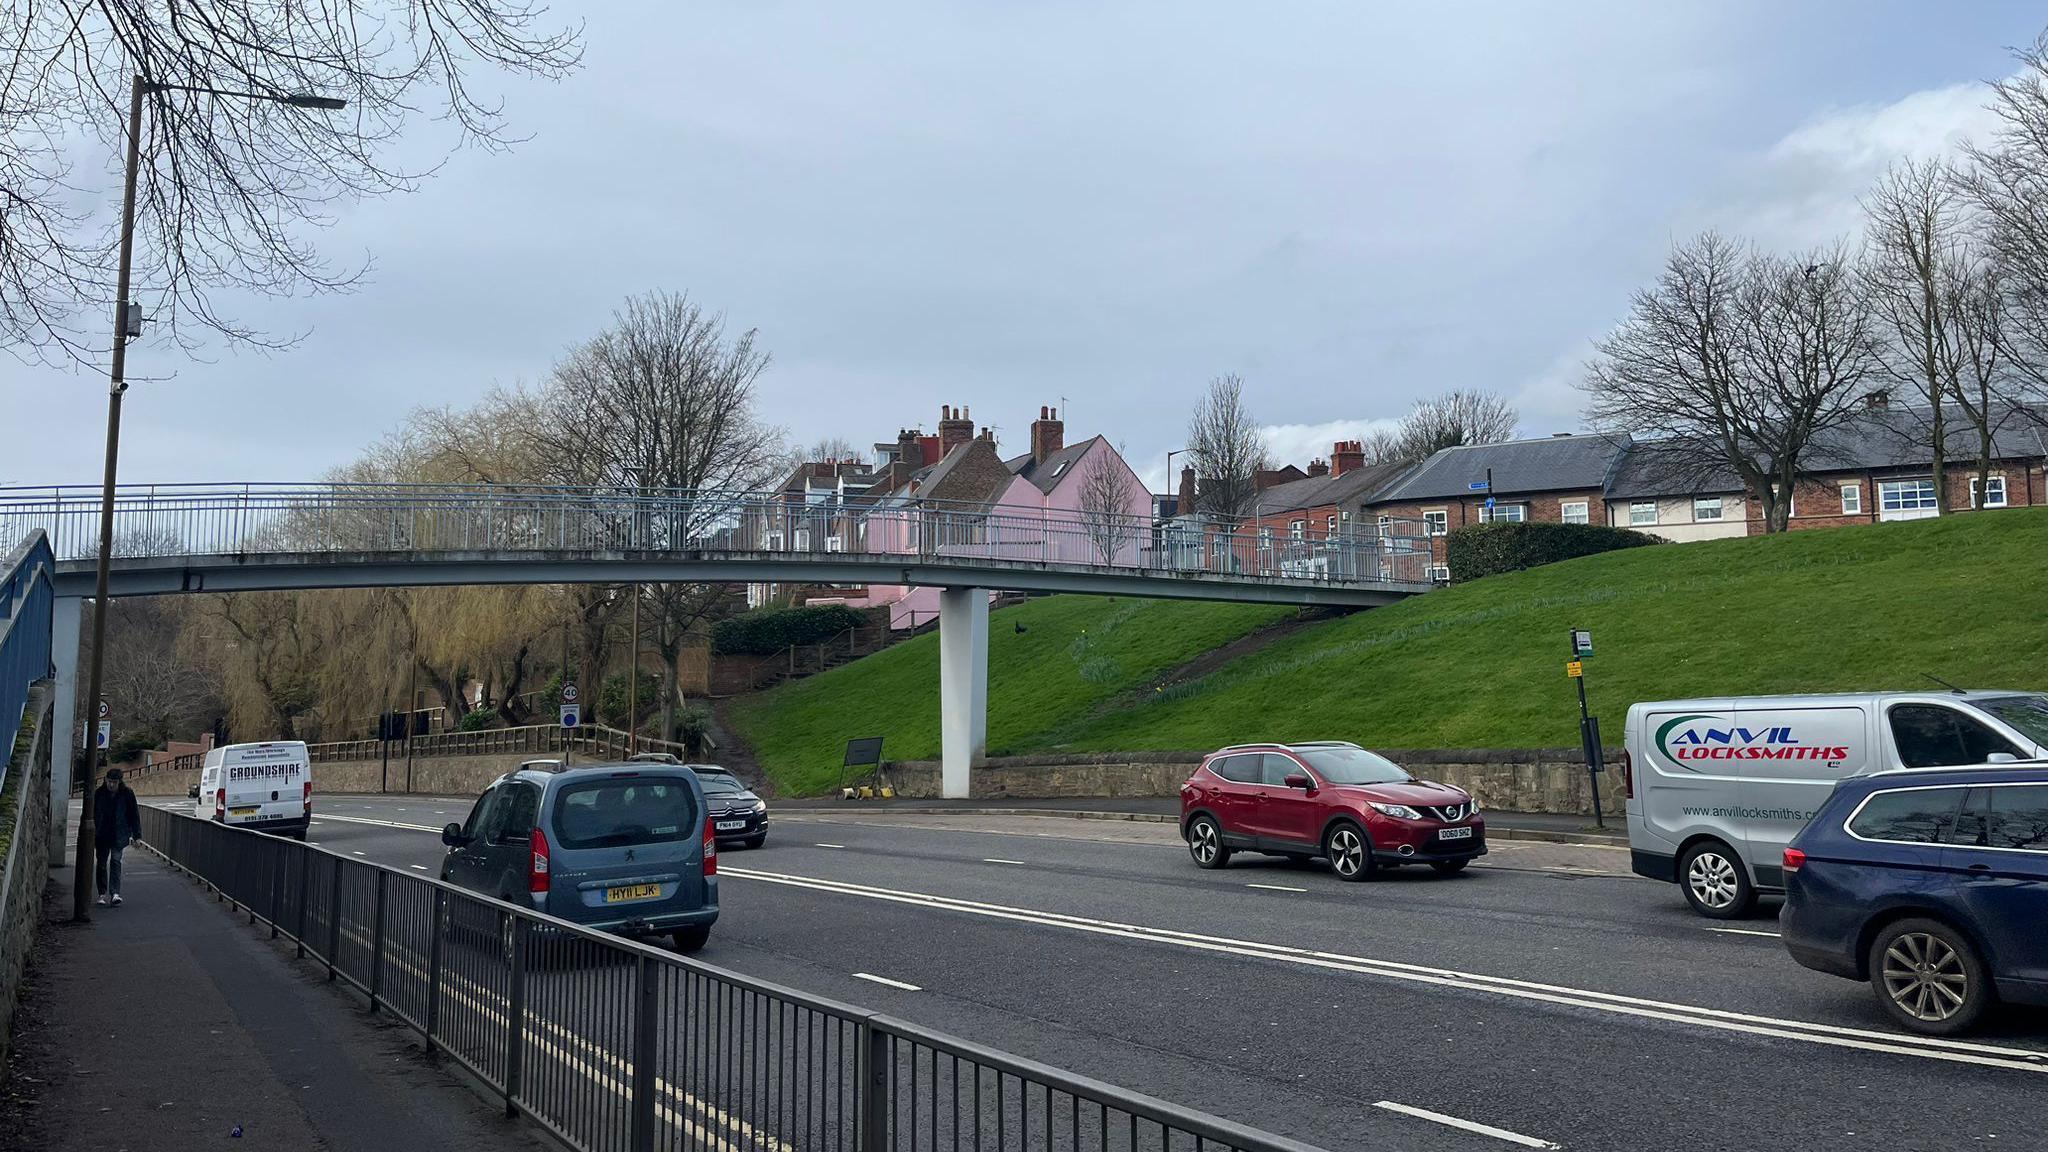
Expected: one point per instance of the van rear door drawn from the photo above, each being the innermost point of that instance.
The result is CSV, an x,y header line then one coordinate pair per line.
x,y
265,783
626,846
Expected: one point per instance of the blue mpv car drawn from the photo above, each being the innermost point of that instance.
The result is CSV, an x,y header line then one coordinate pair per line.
x,y
625,848
1931,884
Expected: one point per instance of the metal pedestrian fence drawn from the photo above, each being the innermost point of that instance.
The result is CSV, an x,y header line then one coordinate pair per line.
x,y
616,1046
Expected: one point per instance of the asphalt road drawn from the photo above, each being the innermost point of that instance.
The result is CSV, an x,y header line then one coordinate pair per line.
x,y
1545,993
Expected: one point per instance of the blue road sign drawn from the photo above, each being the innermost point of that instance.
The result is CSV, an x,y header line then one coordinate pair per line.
x,y
1489,501
572,715
1478,486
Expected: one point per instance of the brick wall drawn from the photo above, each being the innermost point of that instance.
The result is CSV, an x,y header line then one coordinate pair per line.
x,y
1543,507
1817,499
1512,780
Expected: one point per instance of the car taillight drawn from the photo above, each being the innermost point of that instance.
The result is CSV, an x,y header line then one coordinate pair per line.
x,y
710,848
1628,776
220,805
1794,859
537,872
309,797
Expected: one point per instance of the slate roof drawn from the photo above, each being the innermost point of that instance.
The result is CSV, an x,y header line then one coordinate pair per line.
x,y
1550,464
1358,484
1047,476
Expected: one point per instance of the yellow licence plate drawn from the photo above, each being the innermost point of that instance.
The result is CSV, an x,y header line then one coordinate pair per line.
x,y
242,811
635,892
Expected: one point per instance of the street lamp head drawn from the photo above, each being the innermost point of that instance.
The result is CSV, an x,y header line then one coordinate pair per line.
x,y
305,100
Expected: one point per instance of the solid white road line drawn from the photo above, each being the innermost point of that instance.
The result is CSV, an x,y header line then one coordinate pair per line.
x,y
378,823
831,845
1467,1125
998,860
1900,1044
361,853
419,867
1744,932
1276,888
884,980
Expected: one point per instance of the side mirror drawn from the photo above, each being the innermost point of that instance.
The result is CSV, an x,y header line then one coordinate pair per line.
x,y
452,836
2001,758
1299,780
192,793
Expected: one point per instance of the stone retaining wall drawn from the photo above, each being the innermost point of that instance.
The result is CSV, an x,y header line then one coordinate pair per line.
x,y
23,870
1510,779
431,775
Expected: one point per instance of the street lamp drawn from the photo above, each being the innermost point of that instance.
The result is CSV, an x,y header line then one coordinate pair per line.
x,y
127,325
1178,510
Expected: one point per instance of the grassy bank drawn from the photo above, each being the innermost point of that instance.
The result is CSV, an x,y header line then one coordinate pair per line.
x,y
1481,664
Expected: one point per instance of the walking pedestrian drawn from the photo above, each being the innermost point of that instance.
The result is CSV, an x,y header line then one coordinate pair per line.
x,y
116,820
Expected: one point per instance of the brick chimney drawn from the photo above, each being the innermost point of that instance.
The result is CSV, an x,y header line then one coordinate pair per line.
x,y
1048,434
910,449
956,427
1185,503
1878,398
1318,467
1346,455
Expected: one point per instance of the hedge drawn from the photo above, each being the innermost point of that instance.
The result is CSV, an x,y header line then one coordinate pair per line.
x,y
1478,550
766,631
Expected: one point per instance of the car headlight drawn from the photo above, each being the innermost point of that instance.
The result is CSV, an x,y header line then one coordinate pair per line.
x,y
1397,811
760,805
1471,804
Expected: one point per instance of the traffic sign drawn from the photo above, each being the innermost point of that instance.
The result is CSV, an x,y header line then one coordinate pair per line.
x,y
1489,501
1478,486
568,693
1574,669
1582,643
572,715
104,710
106,735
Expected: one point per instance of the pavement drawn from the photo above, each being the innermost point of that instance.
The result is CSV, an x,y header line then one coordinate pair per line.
x,y
169,1023
1545,997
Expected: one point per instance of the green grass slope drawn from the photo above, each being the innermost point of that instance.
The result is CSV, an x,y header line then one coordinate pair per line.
x,y
1075,655
1482,664
1477,665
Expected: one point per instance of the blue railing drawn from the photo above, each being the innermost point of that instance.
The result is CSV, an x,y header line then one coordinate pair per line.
x,y
26,597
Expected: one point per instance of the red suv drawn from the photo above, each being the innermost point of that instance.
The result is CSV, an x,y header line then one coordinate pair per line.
x,y
1330,799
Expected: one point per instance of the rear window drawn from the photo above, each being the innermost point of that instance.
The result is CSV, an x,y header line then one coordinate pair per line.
x,y
1915,816
623,812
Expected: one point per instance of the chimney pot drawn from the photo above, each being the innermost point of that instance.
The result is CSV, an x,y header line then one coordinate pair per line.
x,y
1048,434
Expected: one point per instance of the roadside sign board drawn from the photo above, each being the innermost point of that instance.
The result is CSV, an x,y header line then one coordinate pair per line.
x,y
105,711
1582,643
568,693
1477,486
863,751
1574,669
106,735
572,715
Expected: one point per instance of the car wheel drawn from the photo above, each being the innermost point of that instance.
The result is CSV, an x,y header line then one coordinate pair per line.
x,y
1715,882
1448,867
1205,843
1349,851
1928,977
692,938
755,841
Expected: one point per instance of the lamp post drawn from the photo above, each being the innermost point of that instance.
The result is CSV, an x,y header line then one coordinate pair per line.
x,y
1170,489
128,325
633,664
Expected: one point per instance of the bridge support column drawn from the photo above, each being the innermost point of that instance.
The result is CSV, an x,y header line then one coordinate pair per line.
x,y
963,686
64,617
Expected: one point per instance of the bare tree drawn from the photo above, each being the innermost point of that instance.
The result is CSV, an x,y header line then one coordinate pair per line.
x,y
153,689
832,448
228,186
2007,179
1383,446
1227,447
1741,362
1463,416
1980,376
1914,235
1108,490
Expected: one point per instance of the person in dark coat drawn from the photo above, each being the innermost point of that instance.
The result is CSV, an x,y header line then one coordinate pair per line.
x,y
116,820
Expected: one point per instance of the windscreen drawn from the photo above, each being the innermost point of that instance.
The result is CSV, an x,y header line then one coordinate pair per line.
x,y
624,812
1353,766
719,783
2027,715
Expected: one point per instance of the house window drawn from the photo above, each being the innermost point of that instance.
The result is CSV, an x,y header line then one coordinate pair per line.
x,y
1995,493
1505,513
1706,507
1906,499
1437,523
1642,512
1439,573
1298,529
1386,526
1331,532
1572,511
1852,500
1265,536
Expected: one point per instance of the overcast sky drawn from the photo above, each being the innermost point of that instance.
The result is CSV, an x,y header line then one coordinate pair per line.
x,y
1095,205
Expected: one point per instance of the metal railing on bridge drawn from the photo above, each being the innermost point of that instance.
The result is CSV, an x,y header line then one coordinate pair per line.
x,y
258,519
615,1046
26,599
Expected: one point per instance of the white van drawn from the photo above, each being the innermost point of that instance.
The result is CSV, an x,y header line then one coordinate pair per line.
x,y
268,787
1717,787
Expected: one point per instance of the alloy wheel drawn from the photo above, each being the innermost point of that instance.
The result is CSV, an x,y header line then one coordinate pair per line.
x,y
1925,977
1203,842
1347,852
1712,879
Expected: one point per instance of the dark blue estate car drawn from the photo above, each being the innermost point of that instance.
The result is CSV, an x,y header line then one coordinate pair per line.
x,y
1930,884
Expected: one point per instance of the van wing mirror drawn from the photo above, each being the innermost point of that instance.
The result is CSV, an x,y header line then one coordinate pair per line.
x,y
192,792
452,836
2001,758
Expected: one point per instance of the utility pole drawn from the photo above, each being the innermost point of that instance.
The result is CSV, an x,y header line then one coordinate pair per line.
x,y
633,681
412,698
